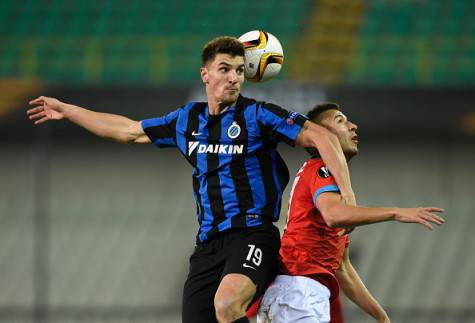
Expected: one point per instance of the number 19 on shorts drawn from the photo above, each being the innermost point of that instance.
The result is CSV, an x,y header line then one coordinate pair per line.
x,y
254,254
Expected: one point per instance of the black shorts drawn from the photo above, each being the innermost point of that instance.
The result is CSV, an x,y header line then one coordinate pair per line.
x,y
251,252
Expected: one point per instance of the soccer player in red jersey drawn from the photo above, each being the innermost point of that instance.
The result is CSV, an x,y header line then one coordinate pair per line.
x,y
314,253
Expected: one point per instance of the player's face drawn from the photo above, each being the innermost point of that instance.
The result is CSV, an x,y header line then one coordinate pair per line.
x,y
345,130
223,78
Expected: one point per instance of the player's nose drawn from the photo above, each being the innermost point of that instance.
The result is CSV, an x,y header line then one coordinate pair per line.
x,y
352,126
232,76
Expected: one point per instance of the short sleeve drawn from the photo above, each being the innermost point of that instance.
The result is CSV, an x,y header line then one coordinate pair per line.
x,y
322,181
280,124
162,130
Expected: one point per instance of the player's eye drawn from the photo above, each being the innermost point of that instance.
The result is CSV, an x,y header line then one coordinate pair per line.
x,y
223,69
240,70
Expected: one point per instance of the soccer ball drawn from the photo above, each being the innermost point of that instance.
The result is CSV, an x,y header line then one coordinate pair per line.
x,y
263,55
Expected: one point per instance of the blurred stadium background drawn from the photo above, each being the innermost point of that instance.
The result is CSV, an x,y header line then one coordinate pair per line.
x,y
92,231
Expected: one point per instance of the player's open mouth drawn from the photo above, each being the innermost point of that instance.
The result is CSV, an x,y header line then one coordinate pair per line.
x,y
355,139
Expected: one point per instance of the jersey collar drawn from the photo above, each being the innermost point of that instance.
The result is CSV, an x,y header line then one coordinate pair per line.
x,y
316,155
239,104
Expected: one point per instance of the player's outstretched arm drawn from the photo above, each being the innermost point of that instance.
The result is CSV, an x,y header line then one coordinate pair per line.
x,y
354,288
336,213
315,136
116,127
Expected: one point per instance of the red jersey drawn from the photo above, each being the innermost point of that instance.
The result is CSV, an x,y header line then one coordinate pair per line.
x,y
309,247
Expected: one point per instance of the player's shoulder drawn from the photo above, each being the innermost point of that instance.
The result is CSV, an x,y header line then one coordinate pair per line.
x,y
190,106
316,165
246,102
309,167
314,162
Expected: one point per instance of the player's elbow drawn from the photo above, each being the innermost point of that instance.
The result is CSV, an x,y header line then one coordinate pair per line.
x,y
335,212
127,141
332,219
334,223
335,216
342,272
123,138
129,134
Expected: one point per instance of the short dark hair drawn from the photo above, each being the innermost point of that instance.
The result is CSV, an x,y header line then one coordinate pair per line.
x,y
221,45
315,115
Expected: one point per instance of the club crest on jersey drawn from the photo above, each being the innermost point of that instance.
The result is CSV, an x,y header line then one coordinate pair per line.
x,y
234,130
323,172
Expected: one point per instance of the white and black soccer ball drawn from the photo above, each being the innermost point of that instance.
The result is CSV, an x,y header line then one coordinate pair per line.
x,y
263,55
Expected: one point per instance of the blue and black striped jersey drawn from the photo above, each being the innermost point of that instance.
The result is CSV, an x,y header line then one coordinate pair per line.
x,y
238,176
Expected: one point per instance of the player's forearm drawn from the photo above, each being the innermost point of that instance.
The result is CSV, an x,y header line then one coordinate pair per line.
x,y
105,125
334,159
330,150
343,215
356,291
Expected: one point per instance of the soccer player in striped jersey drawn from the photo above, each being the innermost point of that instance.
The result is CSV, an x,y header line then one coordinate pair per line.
x,y
314,253
238,177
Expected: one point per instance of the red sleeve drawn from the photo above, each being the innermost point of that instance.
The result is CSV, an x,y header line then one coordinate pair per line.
x,y
321,181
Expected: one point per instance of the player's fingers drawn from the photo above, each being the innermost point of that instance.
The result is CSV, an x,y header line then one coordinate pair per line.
x,y
37,115
38,100
426,224
431,219
431,215
426,216
434,209
34,110
436,219
42,120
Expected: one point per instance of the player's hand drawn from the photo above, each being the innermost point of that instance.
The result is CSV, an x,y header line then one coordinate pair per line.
x,y
423,215
46,109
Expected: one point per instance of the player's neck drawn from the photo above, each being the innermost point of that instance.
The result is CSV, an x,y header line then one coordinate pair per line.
x,y
315,154
215,108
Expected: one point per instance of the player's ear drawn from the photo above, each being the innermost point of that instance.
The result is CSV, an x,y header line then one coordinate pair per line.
x,y
204,74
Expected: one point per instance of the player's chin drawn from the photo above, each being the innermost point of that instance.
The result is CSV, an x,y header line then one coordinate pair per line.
x,y
350,153
351,150
231,96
